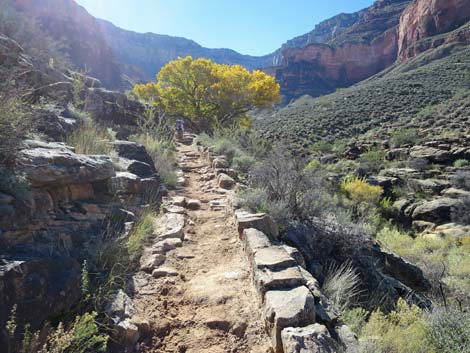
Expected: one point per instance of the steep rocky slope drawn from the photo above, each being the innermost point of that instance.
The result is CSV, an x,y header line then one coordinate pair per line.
x,y
148,52
367,46
116,56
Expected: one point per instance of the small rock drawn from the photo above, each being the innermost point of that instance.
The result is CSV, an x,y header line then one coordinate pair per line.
x,y
193,204
225,182
178,201
311,339
164,272
148,262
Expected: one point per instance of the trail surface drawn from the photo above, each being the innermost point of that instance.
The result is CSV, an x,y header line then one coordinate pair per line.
x,y
210,306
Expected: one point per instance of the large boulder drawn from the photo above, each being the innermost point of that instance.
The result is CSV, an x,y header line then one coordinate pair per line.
x,y
311,339
112,107
52,164
133,151
437,211
287,308
431,154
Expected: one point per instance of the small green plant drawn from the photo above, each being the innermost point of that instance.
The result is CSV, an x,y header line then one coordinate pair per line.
x,y
243,163
356,318
322,147
371,162
402,137
142,231
312,166
342,285
255,200
90,138
459,163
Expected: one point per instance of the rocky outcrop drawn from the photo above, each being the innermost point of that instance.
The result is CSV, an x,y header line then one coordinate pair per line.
x,y
428,18
318,68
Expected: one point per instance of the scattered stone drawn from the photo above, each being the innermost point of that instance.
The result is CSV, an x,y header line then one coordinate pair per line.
x,y
311,339
287,308
149,261
164,272
178,201
127,333
120,307
175,209
170,225
193,204
454,193
220,162
225,182
253,240
219,324
162,247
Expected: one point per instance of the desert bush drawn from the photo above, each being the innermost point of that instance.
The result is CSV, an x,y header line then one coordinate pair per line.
x,y
255,200
449,330
342,285
459,163
90,138
371,162
243,163
82,336
359,191
461,180
355,318
322,147
403,330
402,137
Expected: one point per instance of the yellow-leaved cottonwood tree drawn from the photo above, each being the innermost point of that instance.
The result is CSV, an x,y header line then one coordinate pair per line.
x,y
207,94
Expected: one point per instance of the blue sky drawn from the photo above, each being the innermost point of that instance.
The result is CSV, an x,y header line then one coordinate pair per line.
x,y
253,27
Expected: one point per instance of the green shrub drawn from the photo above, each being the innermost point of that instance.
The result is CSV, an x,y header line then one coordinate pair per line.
x,y
402,137
141,232
355,318
255,200
459,163
322,147
243,163
403,330
449,330
371,162
312,166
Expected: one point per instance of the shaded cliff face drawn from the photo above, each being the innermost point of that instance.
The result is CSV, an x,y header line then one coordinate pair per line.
x,y
78,34
368,46
428,18
142,55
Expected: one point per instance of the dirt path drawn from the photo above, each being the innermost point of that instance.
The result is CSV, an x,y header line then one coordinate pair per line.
x,y
210,306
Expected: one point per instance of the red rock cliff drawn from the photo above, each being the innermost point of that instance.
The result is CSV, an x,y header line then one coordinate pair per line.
x,y
427,18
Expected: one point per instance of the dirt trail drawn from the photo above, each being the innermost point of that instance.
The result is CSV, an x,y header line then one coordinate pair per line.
x,y
211,305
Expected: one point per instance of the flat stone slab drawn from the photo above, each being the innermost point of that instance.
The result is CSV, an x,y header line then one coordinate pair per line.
x,y
260,221
149,261
162,247
273,258
225,181
310,339
287,308
178,201
170,225
164,272
253,240
266,280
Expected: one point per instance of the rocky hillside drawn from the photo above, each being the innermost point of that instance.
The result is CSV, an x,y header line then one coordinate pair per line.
x,y
115,56
148,52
